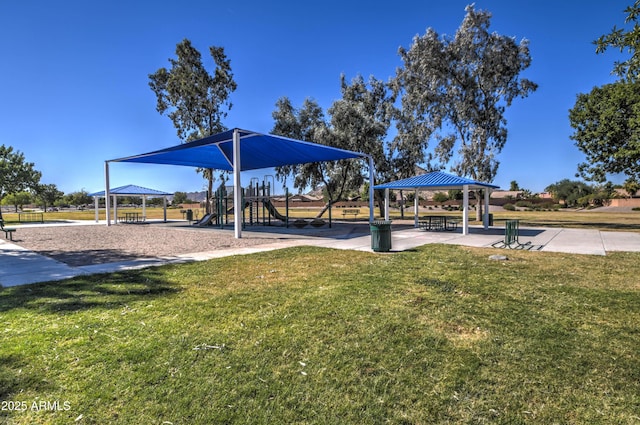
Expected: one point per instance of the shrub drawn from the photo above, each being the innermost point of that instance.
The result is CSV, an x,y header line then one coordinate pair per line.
x,y
440,197
509,207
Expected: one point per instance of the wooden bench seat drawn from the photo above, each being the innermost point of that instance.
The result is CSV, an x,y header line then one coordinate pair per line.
x,y
350,211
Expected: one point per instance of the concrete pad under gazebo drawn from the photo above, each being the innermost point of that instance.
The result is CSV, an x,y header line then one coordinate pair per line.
x,y
440,181
131,190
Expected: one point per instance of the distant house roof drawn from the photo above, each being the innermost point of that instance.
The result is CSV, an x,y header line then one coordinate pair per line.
x,y
132,190
435,180
506,194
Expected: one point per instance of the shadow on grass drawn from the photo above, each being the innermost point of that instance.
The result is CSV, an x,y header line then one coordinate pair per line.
x,y
13,378
86,292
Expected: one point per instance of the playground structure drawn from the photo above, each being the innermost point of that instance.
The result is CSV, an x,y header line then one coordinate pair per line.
x,y
258,207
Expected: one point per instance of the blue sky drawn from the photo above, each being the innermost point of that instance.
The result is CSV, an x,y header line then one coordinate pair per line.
x,y
74,75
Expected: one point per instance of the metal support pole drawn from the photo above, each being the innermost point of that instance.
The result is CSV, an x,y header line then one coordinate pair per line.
x,y
465,209
416,211
386,204
106,193
486,208
237,186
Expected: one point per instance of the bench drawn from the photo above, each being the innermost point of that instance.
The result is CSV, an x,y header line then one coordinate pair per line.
x,y
26,217
349,211
8,231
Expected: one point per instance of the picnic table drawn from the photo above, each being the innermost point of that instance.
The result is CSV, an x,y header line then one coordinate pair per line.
x,y
132,217
438,223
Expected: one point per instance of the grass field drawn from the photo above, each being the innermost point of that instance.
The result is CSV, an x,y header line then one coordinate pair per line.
x,y
437,335
621,221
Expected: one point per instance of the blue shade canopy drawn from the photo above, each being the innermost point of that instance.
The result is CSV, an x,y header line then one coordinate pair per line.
x,y
435,180
256,151
132,190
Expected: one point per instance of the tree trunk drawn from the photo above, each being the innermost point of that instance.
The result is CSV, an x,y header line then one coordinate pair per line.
x,y
478,205
379,197
324,209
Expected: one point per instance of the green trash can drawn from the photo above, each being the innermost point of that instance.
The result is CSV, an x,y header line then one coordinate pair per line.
x,y
490,219
381,235
189,215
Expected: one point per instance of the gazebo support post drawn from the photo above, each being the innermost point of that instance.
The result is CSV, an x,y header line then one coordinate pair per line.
x,y
144,207
115,209
96,201
486,209
164,207
237,188
465,209
386,204
416,212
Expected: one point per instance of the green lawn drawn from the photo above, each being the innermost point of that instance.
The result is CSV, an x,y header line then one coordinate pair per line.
x,y
605,220
440,334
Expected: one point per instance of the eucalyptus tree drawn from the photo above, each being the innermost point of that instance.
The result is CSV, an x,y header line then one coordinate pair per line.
x,y
359,121
16,174
195,100
456,91
625,40
606,120
606,129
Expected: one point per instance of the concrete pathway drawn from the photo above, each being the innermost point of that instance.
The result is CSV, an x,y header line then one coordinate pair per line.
x,y
19,266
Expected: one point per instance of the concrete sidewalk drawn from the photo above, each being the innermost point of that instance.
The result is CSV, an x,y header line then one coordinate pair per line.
x,y
19,266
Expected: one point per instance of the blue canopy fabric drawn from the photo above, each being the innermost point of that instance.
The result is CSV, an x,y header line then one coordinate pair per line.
x,y
435,180
132,190
256,150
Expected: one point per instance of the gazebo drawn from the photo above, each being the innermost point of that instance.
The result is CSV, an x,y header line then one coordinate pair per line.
x,y
440,181
239,150
130,190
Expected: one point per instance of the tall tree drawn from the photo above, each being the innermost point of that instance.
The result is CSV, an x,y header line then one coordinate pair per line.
x,y
465,84
359,121
631,186
48,194
16,175
195,100
607,130
607,120
569,191
624,39
18,200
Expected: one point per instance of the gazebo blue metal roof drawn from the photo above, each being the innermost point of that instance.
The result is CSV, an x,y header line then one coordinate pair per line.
x,y
132,190
435,180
